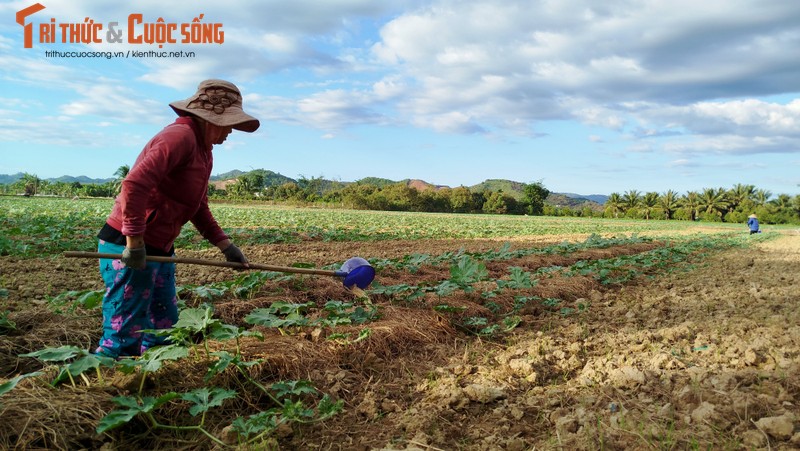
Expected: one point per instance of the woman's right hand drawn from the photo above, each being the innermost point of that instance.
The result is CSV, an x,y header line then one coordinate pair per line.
x,y
134,256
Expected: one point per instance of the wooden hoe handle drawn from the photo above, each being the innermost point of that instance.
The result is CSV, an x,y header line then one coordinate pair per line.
x,y
200,261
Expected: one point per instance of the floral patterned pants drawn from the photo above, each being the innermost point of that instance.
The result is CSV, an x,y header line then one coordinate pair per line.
x,y
135,300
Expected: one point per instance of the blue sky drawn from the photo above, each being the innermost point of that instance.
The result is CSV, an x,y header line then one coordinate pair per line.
x,y
588,97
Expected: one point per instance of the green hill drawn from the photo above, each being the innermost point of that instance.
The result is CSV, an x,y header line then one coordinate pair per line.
x,y
270,178
510,187
227,175
376,181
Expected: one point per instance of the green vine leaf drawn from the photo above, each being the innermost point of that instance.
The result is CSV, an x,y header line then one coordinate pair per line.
x,y
59,354
7,386
131,406
205,398
285,388
152,360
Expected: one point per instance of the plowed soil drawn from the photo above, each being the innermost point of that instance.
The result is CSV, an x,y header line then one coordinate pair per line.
x,y
707,357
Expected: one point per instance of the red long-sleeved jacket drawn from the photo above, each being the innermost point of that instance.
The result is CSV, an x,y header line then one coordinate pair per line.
x,y
167,187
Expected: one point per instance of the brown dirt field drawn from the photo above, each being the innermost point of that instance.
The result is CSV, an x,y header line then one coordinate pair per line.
x,y
707,358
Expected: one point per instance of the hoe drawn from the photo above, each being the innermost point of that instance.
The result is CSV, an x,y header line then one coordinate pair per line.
x,y
354,272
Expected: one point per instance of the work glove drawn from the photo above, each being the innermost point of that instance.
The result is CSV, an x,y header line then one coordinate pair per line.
x,y
134,258
234,254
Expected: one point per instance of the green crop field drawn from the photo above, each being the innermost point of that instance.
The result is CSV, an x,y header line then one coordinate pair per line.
x,y
259,358
42,226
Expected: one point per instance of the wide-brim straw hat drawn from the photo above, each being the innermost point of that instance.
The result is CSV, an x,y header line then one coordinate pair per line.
x,y
220,103
753,216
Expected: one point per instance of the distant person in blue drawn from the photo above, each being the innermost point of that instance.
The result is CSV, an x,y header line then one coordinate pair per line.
x,y
752,222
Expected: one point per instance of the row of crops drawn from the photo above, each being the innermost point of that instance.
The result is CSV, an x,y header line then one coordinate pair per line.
x,y
42,226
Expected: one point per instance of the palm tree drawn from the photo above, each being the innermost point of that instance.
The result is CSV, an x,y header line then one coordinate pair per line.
x,y
740,194
713,201
120,175
762,197
783,202
669,202
796,204
242,188
614,204
30,183
691,201
648,203
631,199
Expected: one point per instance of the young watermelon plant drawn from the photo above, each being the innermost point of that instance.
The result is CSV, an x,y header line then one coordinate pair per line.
x,y
285,395
290,398
75,361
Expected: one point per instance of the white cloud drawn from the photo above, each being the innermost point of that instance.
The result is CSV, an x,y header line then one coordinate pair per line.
x,y
753,114
108,100
736,127
598,56
732,144
604,117
454,122
278,43
183,76
682,162
37,72
389,88
338,109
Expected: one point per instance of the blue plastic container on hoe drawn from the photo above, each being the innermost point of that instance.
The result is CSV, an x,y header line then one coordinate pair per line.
x,y
355,272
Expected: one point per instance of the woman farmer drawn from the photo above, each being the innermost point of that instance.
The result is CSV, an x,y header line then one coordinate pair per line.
x,y
165,189
752,223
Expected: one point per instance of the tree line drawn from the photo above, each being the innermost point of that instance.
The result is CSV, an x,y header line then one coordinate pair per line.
x,y
709,204
373,195
32,185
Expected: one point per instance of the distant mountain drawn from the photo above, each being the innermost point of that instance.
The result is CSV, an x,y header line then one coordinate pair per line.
x,y
6,179
221,181
599,198
422,185
82,179
564,200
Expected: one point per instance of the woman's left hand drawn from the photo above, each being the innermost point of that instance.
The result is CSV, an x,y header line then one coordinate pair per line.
x,y
234,254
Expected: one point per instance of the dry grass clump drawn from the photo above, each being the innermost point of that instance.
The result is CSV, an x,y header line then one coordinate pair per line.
x,y
395,333
38,328
38,416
